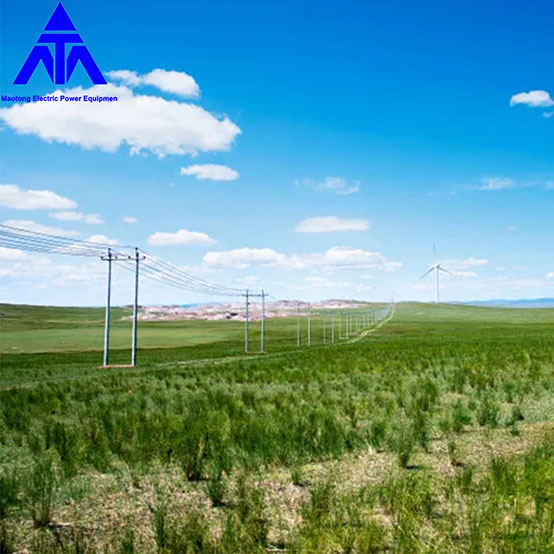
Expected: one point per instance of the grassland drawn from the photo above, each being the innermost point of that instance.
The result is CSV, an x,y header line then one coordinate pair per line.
x,y
432,433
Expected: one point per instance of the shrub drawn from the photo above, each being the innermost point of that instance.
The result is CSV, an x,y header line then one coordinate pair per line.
x,y
41,489
216,490
402,443
9,488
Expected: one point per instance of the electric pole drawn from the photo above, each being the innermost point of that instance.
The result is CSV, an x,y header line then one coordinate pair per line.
x,y
135,309
246,325
298,324
346,322
262,339
108,258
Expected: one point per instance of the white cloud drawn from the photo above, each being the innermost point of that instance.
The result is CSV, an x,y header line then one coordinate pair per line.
x,y
466,263
241,258
11,196
92,219
547,115
129,219
47,272
249,280
533,99
469,274
346,257
182,236
331,224
323,282
144,123
175,82
11,254
337,257
496,183
511,228
213,172
102,239
30,225
338,185
550,275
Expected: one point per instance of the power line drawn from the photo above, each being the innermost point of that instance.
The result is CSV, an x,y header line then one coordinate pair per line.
x,y
164,272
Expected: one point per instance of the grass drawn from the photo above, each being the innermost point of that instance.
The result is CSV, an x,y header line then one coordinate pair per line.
x,y
433,429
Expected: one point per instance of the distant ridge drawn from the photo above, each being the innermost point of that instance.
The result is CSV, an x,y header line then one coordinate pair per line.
x,y
521,303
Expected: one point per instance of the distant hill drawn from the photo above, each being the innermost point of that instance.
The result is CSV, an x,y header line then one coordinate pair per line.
x,y
521,303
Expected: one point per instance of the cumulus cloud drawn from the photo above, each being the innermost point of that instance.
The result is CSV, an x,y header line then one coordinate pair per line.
x,y
11,196
338,185
182,236
129,219
241,258
143,123
11,254
338,257
102,239
175,82
54,272
212,172
92,219
331,224
30,225
533,99
550,275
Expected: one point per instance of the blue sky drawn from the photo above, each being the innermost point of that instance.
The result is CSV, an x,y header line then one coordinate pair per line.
x,y
390,126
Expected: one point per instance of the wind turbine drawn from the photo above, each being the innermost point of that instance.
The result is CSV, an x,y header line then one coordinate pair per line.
x,y
437,267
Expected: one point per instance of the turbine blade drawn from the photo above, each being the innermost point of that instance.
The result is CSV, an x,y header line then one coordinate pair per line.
x,y
445,270
426,273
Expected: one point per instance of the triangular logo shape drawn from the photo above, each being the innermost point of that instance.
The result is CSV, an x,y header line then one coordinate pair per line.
x,y
60,21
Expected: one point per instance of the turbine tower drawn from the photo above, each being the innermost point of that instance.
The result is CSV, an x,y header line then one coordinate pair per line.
x,y
437,268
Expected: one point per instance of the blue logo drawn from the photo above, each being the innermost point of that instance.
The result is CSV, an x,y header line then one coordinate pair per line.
x,y
58,67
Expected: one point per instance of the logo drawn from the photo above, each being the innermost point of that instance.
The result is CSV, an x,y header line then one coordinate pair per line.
x,y
58,67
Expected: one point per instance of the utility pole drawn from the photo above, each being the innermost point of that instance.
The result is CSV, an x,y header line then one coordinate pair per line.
x,y
298,324
135,310
346,322
246,325
262,340
108,258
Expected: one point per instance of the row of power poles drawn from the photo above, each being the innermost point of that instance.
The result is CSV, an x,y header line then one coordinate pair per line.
x,y
346,324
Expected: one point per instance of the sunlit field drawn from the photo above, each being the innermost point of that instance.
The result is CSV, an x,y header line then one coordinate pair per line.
x,y
431,432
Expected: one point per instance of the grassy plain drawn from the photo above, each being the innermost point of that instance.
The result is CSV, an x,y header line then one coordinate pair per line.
x,y
431,433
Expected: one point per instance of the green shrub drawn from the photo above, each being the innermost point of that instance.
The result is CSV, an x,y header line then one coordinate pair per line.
x,y
9,489
41,489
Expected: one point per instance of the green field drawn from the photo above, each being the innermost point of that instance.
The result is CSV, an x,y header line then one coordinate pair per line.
x,y
433,432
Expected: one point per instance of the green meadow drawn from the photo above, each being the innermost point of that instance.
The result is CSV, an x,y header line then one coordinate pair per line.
x,y
430,432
